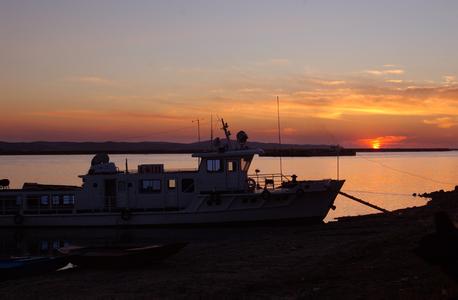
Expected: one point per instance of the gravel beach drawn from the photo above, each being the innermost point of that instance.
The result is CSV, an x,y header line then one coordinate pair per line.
x,y
366,257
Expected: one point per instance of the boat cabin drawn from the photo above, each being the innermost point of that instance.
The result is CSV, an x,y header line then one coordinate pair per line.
x,y
153,187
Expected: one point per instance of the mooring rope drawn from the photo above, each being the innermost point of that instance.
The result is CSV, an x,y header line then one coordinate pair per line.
x,y
363,202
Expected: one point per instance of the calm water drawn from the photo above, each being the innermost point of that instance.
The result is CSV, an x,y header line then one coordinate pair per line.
x,y
385,179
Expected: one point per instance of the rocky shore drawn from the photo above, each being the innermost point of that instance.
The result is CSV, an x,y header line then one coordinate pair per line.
x,y
366,257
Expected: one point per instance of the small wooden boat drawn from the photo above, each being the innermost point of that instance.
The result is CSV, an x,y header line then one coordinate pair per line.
x,y
124,257
26,266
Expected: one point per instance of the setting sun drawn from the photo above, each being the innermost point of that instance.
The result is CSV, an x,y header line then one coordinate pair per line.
x,y
375,144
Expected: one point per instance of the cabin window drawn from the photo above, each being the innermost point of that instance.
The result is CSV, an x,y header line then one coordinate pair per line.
x,y
44,200
245,164
9,202
44,245
172,184
214,165
33,201
232,166
187,185
55,200
121,186
68,199
150,186
56,245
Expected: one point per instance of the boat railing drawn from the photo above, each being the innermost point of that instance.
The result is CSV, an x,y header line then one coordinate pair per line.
x,y
269,181
37,202
168,170
177,170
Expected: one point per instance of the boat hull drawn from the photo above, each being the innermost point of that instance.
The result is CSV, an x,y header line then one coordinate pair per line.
x,y
121,257
309,206
22,267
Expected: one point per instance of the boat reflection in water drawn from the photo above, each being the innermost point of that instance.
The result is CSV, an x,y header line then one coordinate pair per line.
x,y
25,242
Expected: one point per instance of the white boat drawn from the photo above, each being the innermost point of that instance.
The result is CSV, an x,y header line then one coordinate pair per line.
x,y
219,191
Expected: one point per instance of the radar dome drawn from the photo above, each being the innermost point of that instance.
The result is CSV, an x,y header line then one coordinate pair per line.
x,y
100,158
242,137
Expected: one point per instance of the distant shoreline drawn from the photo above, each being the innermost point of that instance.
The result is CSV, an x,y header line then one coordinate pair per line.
x,y
287,152
270,149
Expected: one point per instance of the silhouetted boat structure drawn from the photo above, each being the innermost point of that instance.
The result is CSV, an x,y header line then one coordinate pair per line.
x,y
115,257
218,191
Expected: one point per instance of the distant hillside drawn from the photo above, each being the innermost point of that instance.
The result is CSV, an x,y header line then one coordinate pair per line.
x,y
128,147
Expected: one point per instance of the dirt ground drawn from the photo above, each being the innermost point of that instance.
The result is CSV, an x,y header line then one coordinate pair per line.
x,y
367,257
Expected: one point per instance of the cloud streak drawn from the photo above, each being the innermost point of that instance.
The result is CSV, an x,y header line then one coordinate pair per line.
x,y
442,122
385,72
91,80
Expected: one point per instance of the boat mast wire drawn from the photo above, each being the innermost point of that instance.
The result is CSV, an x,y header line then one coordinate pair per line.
x,y
337,147
198,128
338,161
279,136
211,128
198,137
338,164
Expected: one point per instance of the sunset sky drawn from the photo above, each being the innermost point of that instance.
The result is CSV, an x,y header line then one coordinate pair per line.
x,y
354,73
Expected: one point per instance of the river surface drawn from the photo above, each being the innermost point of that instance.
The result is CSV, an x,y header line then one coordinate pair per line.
x,y
385,179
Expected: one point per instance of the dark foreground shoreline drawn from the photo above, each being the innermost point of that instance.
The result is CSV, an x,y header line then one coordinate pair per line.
x,y
366,257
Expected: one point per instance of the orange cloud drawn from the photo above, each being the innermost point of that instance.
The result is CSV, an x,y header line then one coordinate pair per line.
x,y
450,80
329,82
385,72
442,122
350,107
94,80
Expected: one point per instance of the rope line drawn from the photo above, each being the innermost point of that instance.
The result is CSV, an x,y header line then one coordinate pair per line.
x,y
405,172
380,193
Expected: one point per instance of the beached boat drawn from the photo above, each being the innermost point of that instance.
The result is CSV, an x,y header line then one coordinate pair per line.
x,y
12,268
115,257
219,191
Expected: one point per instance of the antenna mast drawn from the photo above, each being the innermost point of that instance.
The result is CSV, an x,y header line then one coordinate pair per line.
x,y
227,133
198,129
279,136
